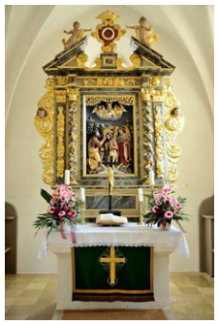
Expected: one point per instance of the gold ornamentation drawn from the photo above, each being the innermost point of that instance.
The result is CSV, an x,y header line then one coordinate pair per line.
x,y
136,60
60,142
62,80
110,81
112,260
72,124
60,96
108,32
81,60
108,15
72,94
159,142
174,123
94,100
44,123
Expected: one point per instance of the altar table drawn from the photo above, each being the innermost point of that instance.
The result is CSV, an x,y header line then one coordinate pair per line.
x,y
133,235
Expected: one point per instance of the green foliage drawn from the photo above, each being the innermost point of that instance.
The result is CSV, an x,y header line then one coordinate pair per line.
x,y
47,197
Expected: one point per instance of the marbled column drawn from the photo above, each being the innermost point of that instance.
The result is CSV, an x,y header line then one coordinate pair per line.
x,y
72,134
148,133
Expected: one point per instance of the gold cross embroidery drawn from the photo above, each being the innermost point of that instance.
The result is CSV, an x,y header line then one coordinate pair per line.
x,y
112,260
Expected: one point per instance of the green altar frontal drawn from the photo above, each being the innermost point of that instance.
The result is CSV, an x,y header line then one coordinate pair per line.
x,y
112,273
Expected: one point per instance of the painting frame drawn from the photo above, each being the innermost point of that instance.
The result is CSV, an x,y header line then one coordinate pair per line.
x,y
112,97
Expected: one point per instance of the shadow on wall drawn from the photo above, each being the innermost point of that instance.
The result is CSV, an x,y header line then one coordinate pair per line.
x,y
10,239
207,209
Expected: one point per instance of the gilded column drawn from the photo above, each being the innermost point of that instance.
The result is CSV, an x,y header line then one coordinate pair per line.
x,y
148,130
60,133
73,94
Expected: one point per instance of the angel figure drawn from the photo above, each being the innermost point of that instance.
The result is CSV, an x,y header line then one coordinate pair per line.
x,y
76,34
143,32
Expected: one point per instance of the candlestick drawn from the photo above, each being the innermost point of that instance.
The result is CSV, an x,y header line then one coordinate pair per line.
x,y
151,177
141,200
140,194
82,194
67,177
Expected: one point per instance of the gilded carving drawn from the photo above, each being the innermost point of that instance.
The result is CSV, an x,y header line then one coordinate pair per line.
x,y
136,60
110,81
81,60
174,123
44,123
62,81
108,32
72,134
60,143
159,142
60,96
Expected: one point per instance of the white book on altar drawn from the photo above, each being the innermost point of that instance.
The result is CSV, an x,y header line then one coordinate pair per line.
x,y
110,219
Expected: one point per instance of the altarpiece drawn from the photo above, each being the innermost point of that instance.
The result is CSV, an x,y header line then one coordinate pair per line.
x,y
109,113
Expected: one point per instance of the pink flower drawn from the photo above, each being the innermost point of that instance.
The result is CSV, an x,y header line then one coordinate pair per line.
x,y
159,192
61,213
158,202
172,200
178,205
167,187
165,191
155,209
53,201
66,208
52,210
177,213
168,214
71,204
71,213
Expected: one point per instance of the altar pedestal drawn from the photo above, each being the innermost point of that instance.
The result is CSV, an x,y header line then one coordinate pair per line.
x,y
164,243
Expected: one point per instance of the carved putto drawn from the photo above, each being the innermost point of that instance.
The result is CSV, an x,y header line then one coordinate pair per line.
x,y
76,34
144,33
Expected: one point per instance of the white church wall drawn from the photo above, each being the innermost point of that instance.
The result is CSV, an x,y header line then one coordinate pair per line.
x,y
23,165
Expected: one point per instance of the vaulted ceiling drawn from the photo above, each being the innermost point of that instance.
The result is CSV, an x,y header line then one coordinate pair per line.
x,y
31,29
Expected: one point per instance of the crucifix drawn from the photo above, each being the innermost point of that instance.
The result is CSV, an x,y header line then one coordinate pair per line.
x,y
110,165
112,260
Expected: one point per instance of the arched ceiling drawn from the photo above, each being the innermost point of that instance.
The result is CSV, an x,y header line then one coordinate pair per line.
x,y
29,29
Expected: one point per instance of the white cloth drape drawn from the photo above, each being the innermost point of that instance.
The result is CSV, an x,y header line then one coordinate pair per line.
x,y
128,235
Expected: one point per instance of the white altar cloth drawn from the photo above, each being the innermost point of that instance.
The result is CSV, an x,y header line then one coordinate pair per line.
x,y
128,235
164,242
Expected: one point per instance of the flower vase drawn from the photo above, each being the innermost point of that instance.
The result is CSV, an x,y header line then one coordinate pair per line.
x,y
165,226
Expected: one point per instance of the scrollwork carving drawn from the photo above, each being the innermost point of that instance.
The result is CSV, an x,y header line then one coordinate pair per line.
x,y
44,123
174,123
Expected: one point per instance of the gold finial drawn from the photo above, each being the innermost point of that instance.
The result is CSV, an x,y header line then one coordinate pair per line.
x,y
107,32
108,15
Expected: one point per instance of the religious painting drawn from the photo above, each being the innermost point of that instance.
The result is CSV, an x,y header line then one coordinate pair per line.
x,y
110,135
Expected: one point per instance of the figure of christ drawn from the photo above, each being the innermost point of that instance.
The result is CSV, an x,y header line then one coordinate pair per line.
x,y
95,153
142,30
76,34
124,148
111,148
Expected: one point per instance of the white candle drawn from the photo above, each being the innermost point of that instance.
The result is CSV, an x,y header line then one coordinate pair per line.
x,y
151,177
82,190
140,194
67,177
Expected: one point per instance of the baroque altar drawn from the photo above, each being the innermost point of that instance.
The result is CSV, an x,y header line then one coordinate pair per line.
x,y
111,124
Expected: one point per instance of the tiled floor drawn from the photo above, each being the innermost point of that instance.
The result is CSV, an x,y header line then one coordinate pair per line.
x,y
33,296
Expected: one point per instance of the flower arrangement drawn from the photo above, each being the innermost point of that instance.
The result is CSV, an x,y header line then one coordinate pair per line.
x,y
63,210
165,208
